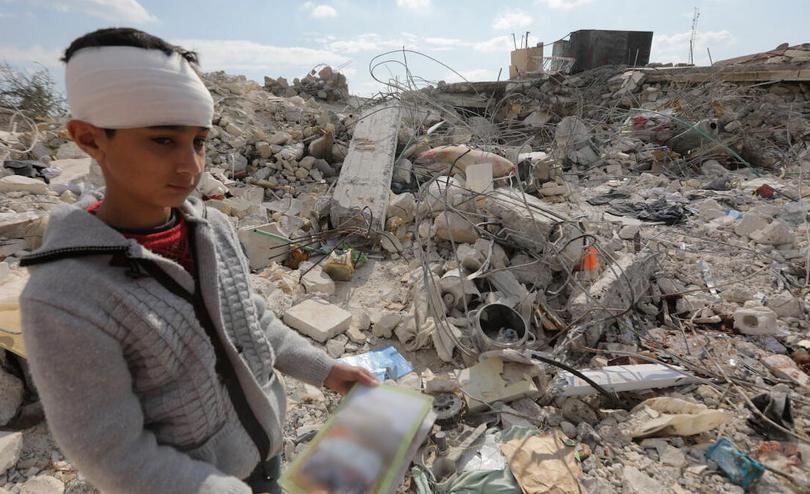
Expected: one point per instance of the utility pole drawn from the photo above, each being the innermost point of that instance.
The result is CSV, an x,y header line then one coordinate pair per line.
x,y
694,34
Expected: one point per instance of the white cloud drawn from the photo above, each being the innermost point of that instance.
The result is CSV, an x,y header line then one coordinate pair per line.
x,y
444,44
512,20
29,55
675,47
111,10
322,12
503,43
248,55
414,4
563,4
371,42
496,44
472,75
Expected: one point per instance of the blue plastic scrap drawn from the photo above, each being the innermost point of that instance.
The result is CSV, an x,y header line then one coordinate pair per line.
x,y
385,363
740,468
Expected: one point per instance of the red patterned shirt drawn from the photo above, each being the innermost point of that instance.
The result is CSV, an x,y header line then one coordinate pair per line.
x,y
170,240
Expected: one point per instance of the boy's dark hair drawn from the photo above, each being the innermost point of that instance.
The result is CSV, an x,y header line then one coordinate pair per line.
x,y
126,36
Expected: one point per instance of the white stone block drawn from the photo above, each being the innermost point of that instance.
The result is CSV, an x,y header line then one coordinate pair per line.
x,y
318,319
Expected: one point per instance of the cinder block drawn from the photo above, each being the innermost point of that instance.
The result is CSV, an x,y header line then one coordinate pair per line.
x,y
755,321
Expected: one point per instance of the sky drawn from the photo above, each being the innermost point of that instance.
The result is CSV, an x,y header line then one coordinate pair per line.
x,y
471,38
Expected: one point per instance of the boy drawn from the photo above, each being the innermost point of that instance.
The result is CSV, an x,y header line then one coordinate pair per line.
x,y
152,356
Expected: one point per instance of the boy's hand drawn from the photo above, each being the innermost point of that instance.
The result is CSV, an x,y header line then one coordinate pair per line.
x,y
343,377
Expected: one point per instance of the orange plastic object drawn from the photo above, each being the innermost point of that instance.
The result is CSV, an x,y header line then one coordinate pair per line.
x,y
590,261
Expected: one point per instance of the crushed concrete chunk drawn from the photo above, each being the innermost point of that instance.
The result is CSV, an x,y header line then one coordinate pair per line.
x,y
784,367
637,482
43,484
11,396
384,323
264,244
10,447
777,233
17,183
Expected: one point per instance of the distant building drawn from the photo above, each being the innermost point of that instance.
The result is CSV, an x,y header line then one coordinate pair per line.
x,y
593,48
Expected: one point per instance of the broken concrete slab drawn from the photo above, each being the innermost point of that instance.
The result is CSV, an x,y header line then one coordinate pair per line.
x,y
29,226
528,228
318,319
751,222
361,193
617,290
11,286
315,280
777,233
638,482
250,193
73,172
619,378
264,244
384,322
10,448
12,390
784,367
786,305
18,183
495,380
479,178
450,225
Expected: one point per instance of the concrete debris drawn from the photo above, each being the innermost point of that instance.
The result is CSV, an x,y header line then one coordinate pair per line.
x,y
318,319
361,194
43,484
264,244
16,183
645,226
10,447
756,321
454,227
11,396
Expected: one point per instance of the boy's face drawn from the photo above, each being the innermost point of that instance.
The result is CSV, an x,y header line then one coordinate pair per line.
x,y
153,167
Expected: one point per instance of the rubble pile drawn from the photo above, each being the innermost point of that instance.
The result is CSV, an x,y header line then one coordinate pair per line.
x,y
600,278
326,85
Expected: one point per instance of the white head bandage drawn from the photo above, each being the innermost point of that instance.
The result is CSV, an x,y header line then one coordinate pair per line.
x,y
122,87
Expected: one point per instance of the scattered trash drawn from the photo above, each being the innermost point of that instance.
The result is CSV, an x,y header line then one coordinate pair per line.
x,y
664,416
625,378
497,222
495,380
545,463
340,267
765,191
386,363
659,210
740,468
776,406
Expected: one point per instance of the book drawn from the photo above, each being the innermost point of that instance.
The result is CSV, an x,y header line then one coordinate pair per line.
x,y
366,446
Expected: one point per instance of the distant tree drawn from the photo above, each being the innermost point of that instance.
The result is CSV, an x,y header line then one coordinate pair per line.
x,y
33,93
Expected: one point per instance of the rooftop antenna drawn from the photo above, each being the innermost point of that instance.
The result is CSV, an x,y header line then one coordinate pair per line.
x,y
695,17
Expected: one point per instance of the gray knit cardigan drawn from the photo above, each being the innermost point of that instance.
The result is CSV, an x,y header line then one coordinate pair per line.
x,y
126,373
